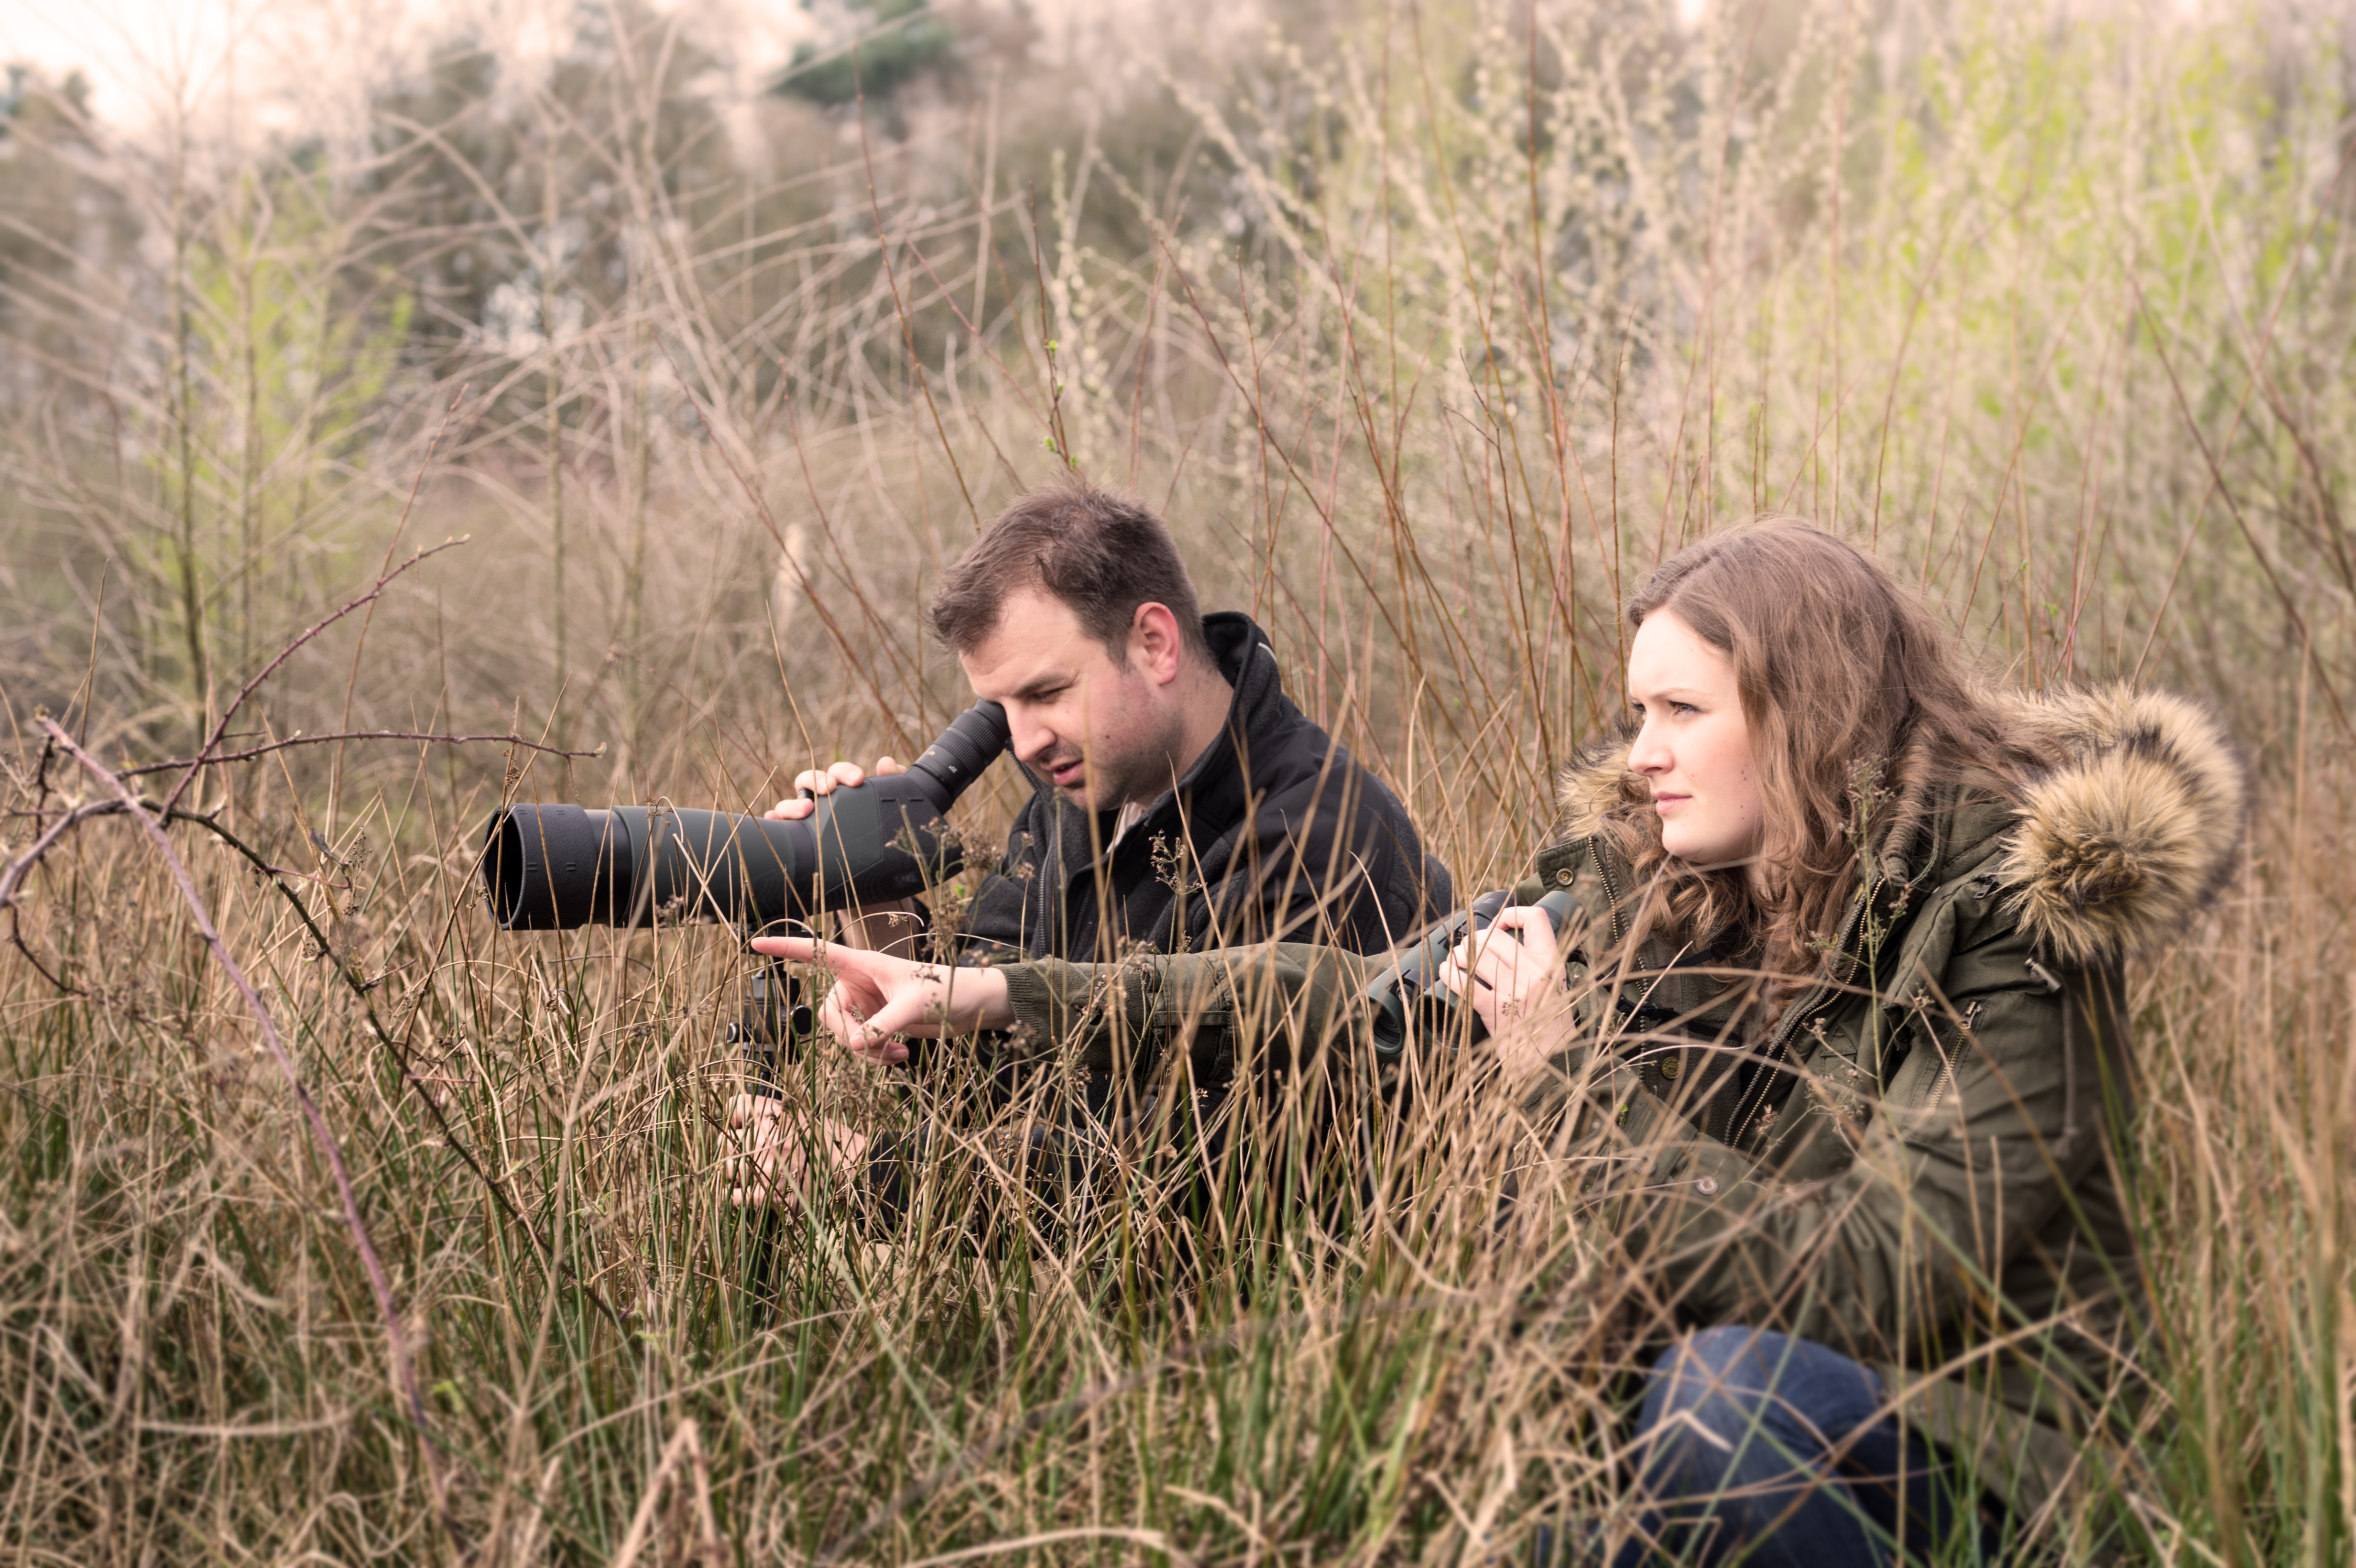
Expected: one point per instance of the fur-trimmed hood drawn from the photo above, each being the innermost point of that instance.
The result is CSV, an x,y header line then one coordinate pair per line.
x,y
2132,826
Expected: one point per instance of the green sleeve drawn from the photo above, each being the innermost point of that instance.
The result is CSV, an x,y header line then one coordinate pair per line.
x,y
1286,1000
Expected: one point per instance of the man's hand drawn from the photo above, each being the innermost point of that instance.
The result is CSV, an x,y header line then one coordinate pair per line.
x,y
813,781
876,997
1512,975
775,1154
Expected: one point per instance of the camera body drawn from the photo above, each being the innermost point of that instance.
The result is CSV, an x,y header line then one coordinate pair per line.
x,y
776,1018
1407,999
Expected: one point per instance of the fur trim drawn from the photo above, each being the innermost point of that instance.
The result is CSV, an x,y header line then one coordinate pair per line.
x,y
2133,828
1596,783
2136,827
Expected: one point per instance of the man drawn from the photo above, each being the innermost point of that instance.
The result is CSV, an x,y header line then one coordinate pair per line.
x,y
1181,801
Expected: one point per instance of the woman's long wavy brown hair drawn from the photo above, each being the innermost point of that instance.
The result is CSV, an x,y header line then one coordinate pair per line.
x,y
1855,702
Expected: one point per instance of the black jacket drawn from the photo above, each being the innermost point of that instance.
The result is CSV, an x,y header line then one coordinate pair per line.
x,y
1274,834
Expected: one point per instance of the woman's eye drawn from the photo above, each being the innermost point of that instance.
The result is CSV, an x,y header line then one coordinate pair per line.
x,y
1684,709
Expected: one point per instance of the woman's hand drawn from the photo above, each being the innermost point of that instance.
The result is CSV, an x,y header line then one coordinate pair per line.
x,y
1512,975
876,997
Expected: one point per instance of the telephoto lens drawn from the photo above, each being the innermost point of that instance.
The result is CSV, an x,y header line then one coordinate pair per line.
x,y
1407,999
552,866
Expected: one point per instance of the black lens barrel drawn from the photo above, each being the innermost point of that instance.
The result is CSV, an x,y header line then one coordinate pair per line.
x,y
552,867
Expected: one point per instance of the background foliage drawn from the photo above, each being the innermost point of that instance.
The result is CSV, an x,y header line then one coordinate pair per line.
x,y
1430,327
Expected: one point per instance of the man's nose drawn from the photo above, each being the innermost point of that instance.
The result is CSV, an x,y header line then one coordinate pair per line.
x,y
1030,738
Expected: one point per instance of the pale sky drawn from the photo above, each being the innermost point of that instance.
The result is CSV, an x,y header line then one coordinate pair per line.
x,y
311,62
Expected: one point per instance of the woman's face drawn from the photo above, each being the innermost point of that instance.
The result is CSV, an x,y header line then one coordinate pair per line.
x,y
1694,746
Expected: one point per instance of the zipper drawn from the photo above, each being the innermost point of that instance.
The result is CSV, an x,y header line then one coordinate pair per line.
x,y
1778,1050
1611,891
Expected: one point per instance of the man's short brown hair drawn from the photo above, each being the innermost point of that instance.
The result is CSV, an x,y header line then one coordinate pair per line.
x,y
1097,553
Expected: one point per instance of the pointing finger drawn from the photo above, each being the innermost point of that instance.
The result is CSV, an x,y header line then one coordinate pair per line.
x,y
793,949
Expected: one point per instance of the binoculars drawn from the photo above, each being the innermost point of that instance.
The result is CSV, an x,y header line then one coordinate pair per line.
x,y
552,866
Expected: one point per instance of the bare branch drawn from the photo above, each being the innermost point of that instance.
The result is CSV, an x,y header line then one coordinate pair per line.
x,y
405,1370
341,736
13,875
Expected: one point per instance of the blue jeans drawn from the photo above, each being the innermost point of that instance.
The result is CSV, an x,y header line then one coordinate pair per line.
x,y
1758,1448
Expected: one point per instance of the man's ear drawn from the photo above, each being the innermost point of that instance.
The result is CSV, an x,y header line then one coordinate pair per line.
x,y
1154,646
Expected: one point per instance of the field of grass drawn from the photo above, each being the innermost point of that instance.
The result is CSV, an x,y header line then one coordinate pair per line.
x,y
365,1231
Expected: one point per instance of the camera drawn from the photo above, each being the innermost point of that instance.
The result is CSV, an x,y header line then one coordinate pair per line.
x,y
1407,999
554,867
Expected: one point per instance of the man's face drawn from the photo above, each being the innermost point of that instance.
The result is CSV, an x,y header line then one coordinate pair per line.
x,y
1101,730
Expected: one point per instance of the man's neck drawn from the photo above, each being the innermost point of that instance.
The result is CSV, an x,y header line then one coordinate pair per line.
x,y
1203,712
1210,698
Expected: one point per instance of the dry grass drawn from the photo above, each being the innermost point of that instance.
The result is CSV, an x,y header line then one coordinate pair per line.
x,y
1431,329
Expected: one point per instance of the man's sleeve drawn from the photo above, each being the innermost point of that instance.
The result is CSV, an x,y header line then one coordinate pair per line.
x,y
1270,1006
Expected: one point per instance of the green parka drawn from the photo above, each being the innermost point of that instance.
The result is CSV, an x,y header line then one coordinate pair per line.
x,y
1922,1164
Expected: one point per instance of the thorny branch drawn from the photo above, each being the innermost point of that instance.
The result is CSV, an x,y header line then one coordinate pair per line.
x,y
12,878
341,736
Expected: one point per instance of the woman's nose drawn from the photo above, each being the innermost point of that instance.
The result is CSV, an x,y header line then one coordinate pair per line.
x,y
1646,754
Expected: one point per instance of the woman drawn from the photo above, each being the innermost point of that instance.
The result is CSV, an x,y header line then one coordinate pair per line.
x,y
1836,1008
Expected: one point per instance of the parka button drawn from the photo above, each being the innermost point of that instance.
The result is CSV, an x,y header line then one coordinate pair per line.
x,y
1563,878
1706,1186
1672,1065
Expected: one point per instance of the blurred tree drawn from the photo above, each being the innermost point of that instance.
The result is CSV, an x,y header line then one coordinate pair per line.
x,y
885,45
64,228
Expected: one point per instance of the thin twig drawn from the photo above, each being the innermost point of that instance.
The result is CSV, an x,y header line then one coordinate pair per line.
x,y
384,575
288,652
340,736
